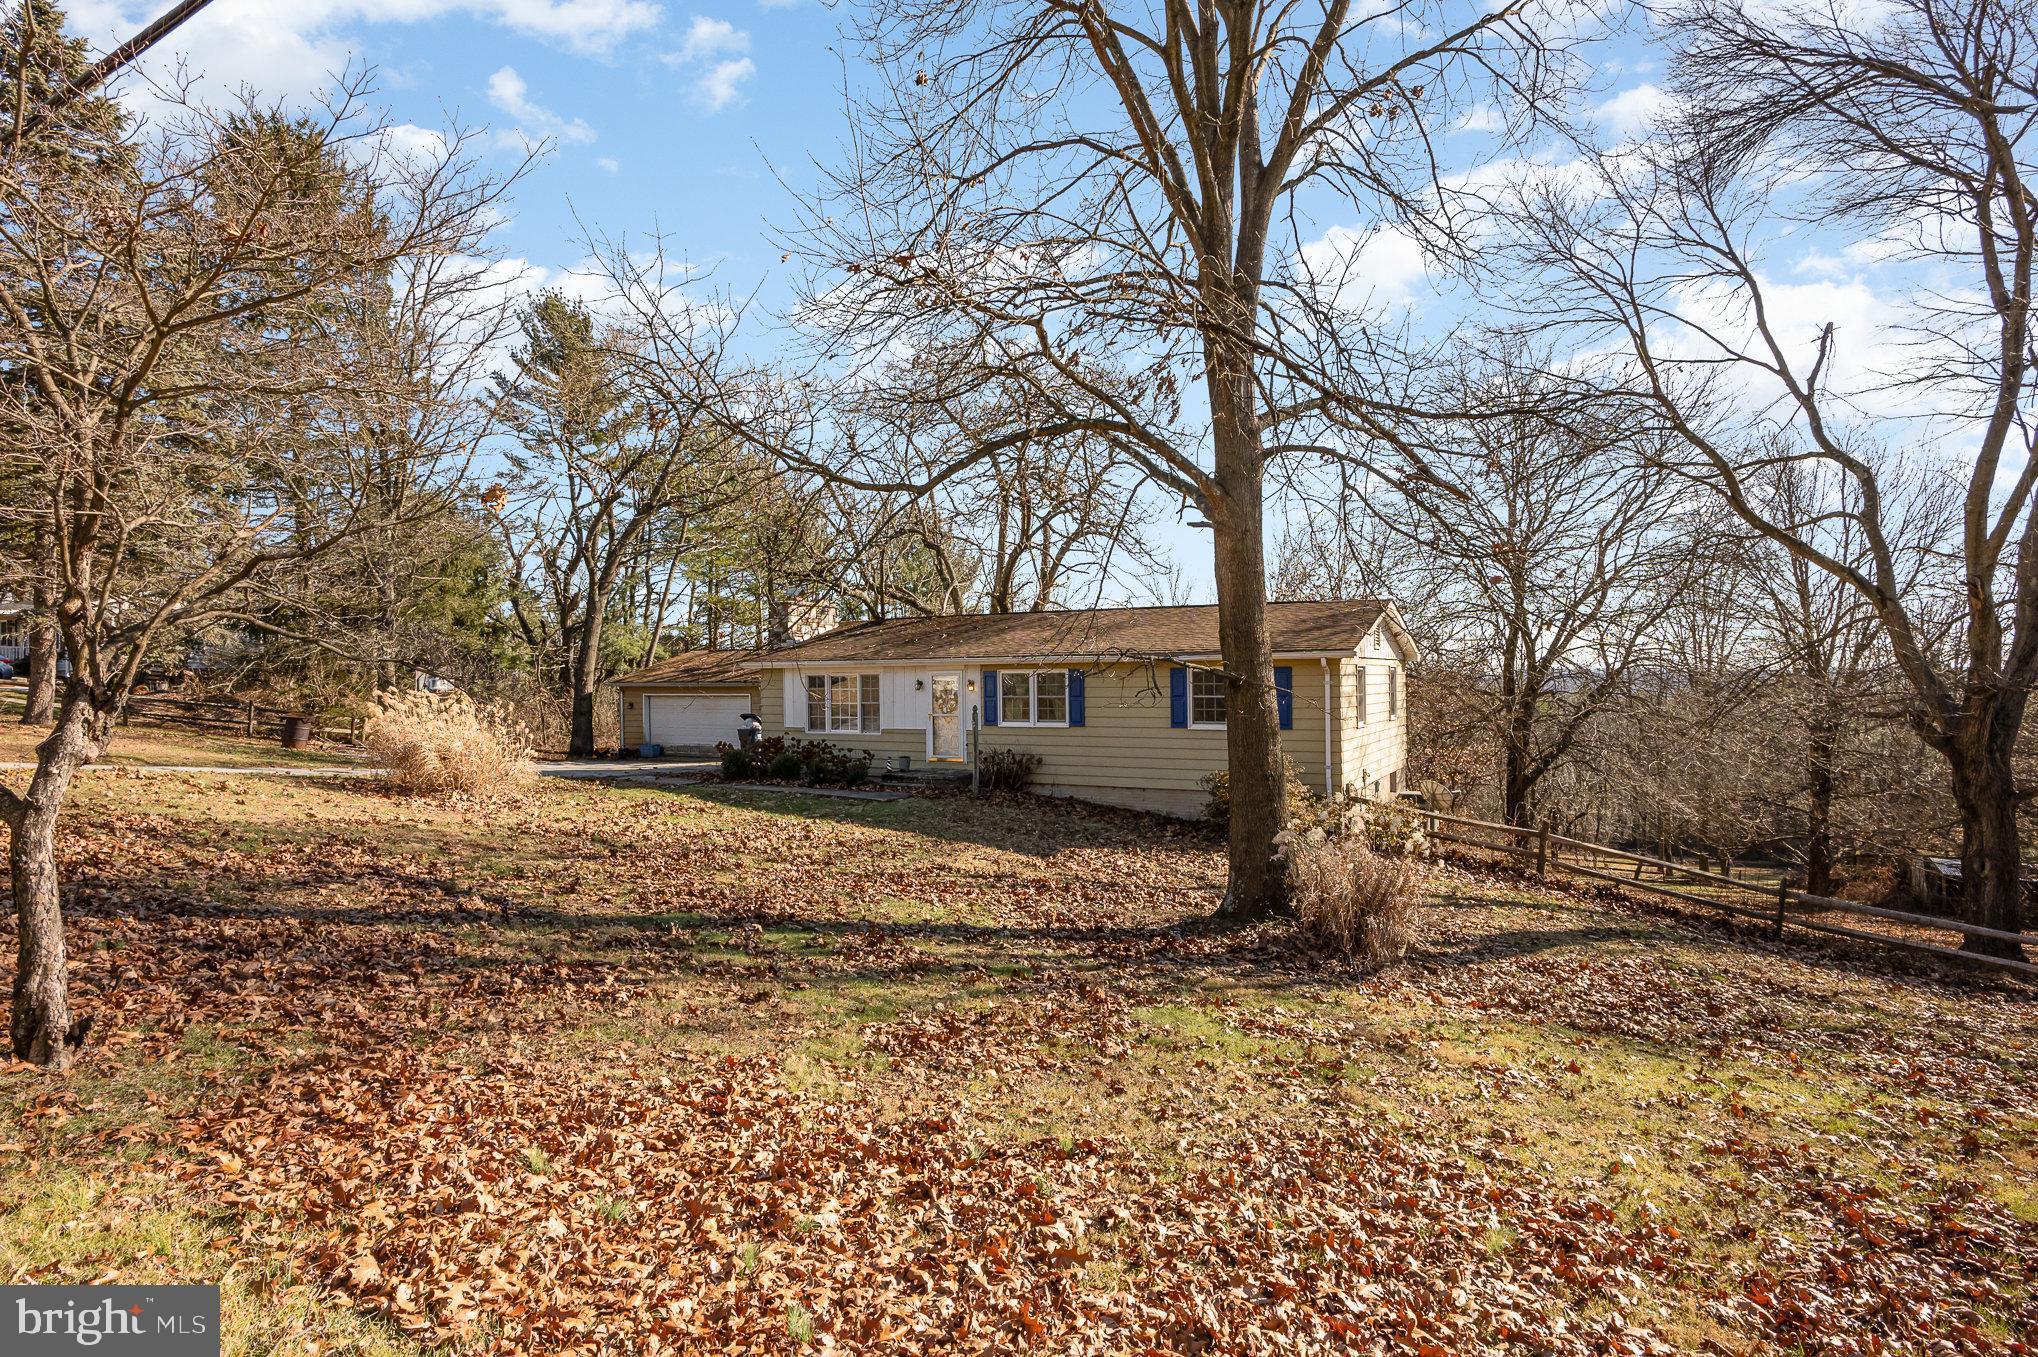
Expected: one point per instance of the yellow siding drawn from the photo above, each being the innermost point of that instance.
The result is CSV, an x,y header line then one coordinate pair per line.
x,y
1372,745
1125,742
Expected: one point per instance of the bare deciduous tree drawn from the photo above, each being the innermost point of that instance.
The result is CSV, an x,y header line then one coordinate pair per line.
x,y
1547,550
1067,190
1908,125
188,425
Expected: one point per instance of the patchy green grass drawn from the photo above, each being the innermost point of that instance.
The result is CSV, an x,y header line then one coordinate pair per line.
x,y
1002,988
74,1225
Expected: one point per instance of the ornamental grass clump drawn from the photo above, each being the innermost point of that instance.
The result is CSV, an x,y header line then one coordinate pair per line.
x,y
448,746
1354,903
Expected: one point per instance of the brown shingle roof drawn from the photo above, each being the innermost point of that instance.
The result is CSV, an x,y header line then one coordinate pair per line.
x,y
1088,634
699,667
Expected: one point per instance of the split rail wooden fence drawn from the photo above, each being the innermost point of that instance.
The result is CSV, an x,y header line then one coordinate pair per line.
x,y
229,715
1780,906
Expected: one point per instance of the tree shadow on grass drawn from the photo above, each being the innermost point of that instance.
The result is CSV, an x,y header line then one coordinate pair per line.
x,y
1000,820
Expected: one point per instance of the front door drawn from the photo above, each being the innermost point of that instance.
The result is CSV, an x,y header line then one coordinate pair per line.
x,y
944,739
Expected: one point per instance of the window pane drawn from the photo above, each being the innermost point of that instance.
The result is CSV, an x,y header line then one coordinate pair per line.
x,y
817,702
1206,697
1015,697
1051,697
1393,691
872,718
842,702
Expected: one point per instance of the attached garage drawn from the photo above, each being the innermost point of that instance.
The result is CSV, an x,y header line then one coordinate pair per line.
x,y
692,721
689,703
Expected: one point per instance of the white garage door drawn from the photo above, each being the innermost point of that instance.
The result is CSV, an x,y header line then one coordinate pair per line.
x,y
693,722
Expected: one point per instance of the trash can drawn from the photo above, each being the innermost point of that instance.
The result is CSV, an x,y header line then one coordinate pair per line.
x,y
297,732
748,730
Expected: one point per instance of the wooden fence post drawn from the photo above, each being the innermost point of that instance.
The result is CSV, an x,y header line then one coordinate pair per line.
x,y
251,718
1782,900
1543,850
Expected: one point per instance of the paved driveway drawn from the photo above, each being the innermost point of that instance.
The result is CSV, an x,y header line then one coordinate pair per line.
x,y
582,768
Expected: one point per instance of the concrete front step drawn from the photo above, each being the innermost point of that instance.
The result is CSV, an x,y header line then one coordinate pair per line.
x,y
920,776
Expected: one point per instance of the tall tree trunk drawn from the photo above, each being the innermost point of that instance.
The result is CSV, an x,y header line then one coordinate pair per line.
x,y
41,1029
1990,854
585,668
39,707
1818,844
1252,735
1517,775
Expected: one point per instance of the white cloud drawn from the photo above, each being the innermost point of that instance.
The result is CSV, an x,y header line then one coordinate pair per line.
x,y
291,50
706,38
714,51
608,164
1875,345
1480,117
1363,272
508,92
722,86
1632,112
581,25
409,144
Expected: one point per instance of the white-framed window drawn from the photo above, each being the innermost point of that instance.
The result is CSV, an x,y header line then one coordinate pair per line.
x,y
842,703
868,707
1033,697
1206,698
1362,693
1393,692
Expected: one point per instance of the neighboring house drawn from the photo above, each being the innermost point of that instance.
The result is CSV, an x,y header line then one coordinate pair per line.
x,y
689,703
14,630
1123,705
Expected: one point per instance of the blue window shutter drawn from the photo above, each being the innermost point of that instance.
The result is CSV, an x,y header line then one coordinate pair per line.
x,y
1178,696
1075,697
990,697
1284,695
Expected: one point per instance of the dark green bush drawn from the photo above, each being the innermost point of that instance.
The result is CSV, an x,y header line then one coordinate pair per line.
x,y
736,764
787,767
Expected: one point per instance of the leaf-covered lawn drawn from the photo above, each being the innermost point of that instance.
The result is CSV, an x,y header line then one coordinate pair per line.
x,y
637,1070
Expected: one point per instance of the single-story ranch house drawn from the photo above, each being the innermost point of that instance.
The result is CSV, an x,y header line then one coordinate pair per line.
x,y
1123,705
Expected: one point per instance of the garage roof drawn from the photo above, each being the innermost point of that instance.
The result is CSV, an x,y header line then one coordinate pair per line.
x,y
698,668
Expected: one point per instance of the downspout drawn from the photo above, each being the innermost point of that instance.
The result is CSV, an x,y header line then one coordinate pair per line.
x,y
1329,787
622,746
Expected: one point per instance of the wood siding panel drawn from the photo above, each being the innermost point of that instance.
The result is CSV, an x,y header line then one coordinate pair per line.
x,y
879,744
1128,745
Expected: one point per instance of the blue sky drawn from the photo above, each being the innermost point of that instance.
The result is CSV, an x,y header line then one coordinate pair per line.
x,y
681,118
666,116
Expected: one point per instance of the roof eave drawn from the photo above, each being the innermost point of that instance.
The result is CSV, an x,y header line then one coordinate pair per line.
x,y
794,662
